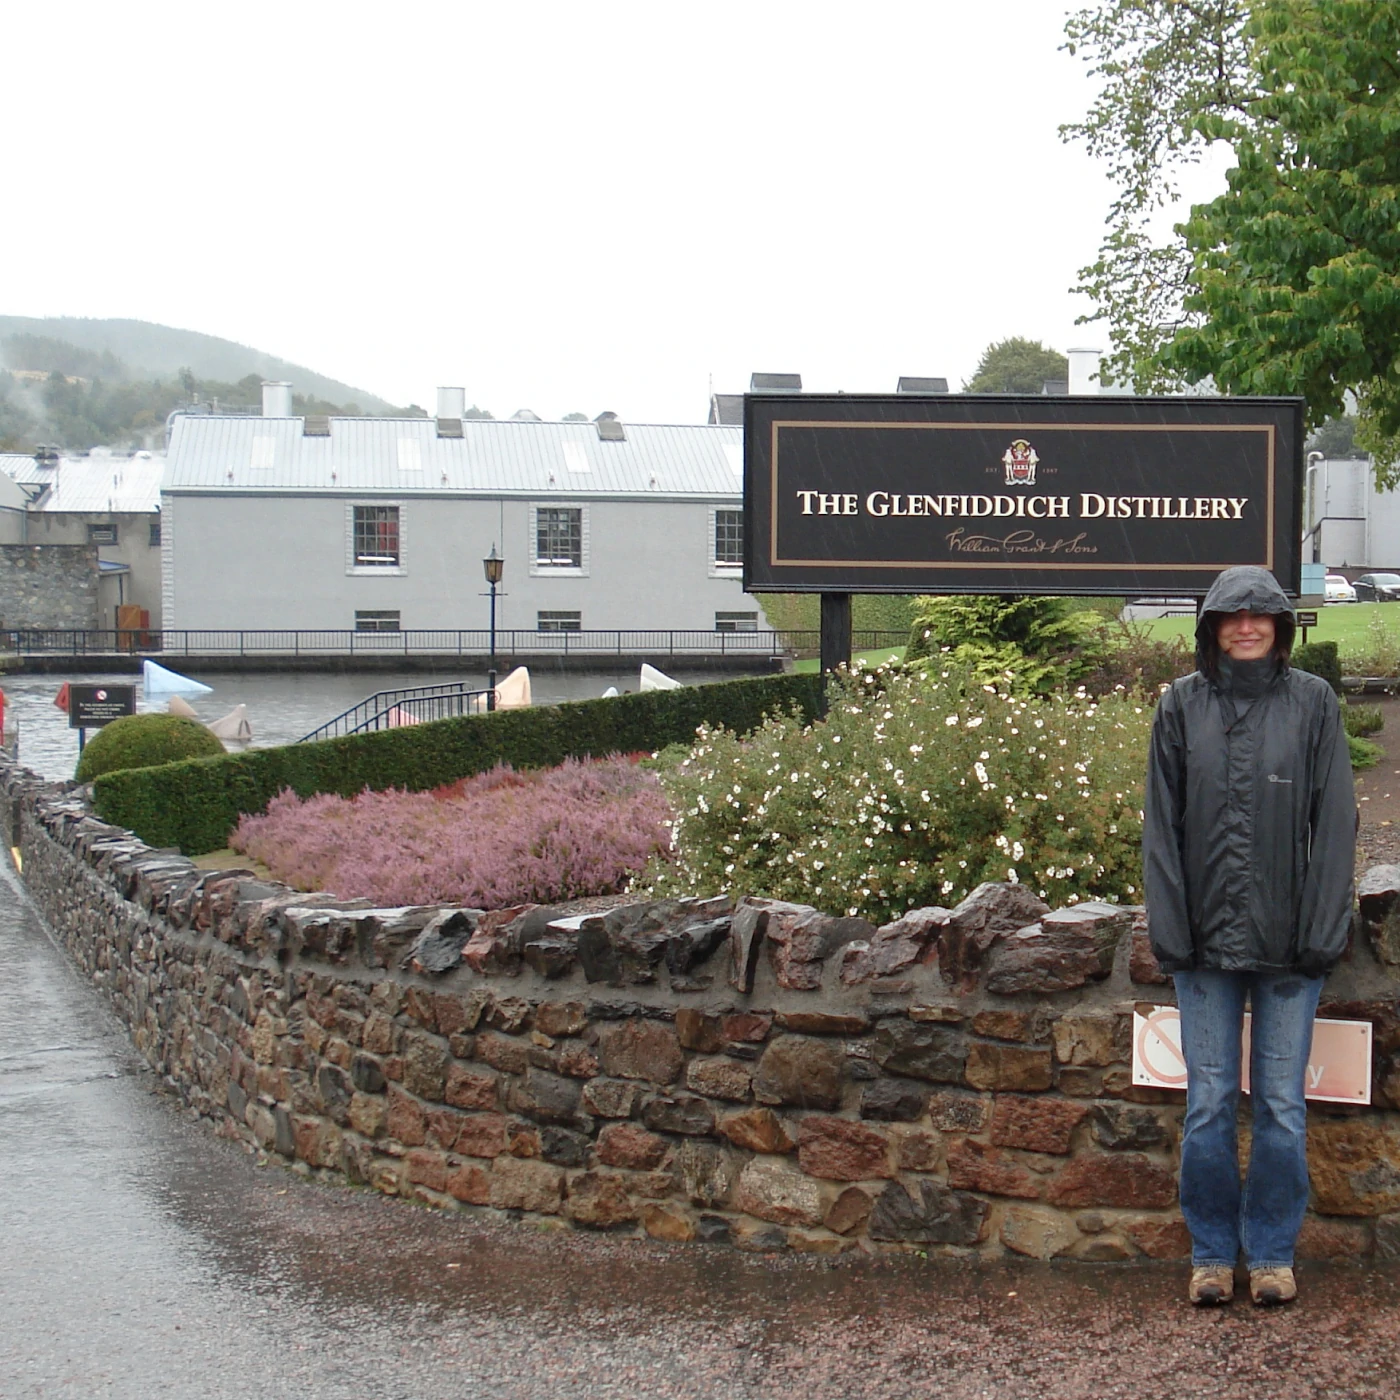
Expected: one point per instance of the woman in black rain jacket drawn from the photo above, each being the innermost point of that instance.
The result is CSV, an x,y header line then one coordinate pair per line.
x,y
1248,851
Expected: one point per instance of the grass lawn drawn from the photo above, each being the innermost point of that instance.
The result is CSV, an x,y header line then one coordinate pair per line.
x,y
871,658
1347,624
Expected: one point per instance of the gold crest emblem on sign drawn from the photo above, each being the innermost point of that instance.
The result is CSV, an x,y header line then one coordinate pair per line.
x,y
1020,460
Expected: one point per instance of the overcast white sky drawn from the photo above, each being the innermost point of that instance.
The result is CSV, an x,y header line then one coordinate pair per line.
x,y
565,206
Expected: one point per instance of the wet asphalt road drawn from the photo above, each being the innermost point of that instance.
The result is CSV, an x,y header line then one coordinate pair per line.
x,y
142,1257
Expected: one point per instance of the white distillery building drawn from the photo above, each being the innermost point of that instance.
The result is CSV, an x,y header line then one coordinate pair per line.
x,y
109,500
1348,523
382,524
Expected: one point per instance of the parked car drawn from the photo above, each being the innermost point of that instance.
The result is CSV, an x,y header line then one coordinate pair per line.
x,y
1378,588
1336,589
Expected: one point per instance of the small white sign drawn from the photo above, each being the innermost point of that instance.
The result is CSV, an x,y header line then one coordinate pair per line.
x,y
1339,1065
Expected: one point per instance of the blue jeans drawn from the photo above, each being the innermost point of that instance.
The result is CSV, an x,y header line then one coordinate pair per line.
x,y
1264,1218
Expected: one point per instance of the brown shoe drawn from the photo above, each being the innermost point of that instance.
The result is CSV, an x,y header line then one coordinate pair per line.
x,y
1270,1287
1212,1286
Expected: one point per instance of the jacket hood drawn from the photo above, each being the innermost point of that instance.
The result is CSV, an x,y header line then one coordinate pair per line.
x,y
1247,588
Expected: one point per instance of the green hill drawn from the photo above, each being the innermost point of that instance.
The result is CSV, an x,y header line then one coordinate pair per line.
x,y
149,351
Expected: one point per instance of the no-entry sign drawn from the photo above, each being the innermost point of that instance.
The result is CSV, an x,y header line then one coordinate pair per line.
x,y
1339,1067
92,706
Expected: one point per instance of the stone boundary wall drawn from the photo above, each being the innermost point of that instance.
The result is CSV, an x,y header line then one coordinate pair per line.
x,y
48,585
761,1075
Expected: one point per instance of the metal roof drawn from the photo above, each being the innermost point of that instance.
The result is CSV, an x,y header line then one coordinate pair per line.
x,y
96,484
405,456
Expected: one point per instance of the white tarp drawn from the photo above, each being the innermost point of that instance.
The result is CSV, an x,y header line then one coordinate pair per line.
x,y
233,725
178,705
652,679
156,680
513,693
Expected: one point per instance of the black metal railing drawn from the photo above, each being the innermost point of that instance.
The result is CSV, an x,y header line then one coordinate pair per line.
x,y
388,709
600,644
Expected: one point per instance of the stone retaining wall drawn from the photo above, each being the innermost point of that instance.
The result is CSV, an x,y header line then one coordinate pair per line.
x,y
762,1075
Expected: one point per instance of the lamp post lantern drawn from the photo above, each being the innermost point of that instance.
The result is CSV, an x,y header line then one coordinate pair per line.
x,y
494,566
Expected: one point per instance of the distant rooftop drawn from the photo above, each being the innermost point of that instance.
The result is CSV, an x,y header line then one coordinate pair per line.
x,y
412,456
97,482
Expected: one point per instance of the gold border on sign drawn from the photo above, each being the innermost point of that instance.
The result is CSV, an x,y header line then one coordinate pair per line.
x,y
1269,429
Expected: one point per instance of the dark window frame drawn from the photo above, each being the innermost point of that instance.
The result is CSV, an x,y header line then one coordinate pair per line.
x,y
729,538
558,537
557,620
376,537
378,620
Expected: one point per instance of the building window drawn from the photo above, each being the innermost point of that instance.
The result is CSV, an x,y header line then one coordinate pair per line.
x,y
376,537
559,537
559,621
736,622
154,540
729,537
102,534
376,620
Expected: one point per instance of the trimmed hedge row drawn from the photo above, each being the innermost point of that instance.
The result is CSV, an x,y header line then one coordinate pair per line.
x,y
196,804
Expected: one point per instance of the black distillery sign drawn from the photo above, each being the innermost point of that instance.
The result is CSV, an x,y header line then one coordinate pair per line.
x,y
92,706
976,494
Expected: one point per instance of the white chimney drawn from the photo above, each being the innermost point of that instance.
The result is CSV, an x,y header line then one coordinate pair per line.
x,y
277,399
452,403
1084,371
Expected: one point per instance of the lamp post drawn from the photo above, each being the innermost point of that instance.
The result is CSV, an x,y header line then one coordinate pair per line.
x,y
494,566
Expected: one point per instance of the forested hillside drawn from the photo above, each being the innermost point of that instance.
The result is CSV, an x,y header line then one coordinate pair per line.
x,y
76,396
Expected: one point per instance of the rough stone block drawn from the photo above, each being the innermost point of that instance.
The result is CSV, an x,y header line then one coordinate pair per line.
x,y
640,1050
470,1182
987,915
1016,1067
954,1112
1355,1165
1090,1038
1035,1124
1142,962
522,1183
921,1051
1036,1232
822,1023
1159,1239
1127,1180
611,1098
1020,1026
976,1166
482,1135
1333,1239
772,1190
746,1027
849,1212
424,1167
927,1213
506,1053
600,1200
468,1086
1068,948
679,1113
720,1079
699,1030
669,1223
893,1101
552,1097
1378,897
561,1018
407,1121
917,1149
631,1147
890,950
708,1173
837,1149
1123,1126
801,1071
758,1130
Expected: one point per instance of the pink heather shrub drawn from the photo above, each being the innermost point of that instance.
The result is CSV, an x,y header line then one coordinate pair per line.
x,y
500,838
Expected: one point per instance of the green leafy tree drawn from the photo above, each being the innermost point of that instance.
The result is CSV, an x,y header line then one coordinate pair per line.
x,y
574,418
1289,283
1336,438
1016,366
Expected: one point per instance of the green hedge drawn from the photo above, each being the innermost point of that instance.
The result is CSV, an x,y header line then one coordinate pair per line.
x,y
1321,659
196,804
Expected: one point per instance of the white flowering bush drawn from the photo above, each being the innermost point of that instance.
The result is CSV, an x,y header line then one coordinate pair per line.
x,y
917,786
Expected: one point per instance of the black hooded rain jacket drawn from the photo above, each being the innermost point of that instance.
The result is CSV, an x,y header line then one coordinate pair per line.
x,y
1250,820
